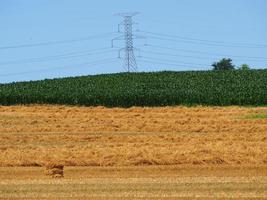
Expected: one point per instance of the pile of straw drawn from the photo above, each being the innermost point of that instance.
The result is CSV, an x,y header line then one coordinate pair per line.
x,y
54,170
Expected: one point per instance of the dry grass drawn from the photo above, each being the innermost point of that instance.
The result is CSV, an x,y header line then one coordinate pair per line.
x,y
82,136
155,182
144,153
54,170
64,119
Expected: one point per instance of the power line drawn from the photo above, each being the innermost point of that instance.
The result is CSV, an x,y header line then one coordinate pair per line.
x,y
170,64
206,53
161,36
199,43
56,57
56,42
167,60
194,57
176,55
103,61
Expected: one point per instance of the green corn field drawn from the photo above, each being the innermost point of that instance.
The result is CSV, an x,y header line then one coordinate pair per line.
x,y
218,88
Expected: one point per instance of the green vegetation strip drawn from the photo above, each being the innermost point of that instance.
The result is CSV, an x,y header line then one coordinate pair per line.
x,y
218,88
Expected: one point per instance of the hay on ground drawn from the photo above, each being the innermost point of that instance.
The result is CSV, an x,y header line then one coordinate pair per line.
x,y
54,170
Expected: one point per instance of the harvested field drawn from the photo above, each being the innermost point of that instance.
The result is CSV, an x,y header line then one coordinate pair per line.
x,y
150,182
135,153
98,136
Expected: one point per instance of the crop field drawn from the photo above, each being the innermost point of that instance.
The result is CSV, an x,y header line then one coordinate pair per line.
x,y
149,182
133,153
217,88
89,136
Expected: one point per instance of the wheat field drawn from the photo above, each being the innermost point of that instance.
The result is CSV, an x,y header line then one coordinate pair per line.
x,y
143,182
88,136
134,153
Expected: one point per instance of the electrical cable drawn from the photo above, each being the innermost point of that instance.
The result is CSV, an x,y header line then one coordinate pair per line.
x,y
161,36
206,53
53,58
171,64
166,60
194,57
176,55
56,42
103,61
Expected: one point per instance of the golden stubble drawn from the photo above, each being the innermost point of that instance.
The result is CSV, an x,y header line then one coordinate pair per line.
x,y
98,136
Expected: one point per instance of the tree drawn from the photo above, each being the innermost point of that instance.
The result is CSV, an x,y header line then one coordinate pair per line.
x,y
244,67
224,64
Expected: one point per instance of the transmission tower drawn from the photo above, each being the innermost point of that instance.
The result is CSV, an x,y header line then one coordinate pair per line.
x,y
130,64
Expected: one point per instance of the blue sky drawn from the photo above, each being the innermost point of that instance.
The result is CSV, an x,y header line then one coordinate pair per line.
x,y
180,35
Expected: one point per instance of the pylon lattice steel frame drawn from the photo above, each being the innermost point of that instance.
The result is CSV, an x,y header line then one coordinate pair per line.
x,y
129,49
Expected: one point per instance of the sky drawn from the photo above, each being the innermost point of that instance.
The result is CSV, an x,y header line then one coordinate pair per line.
x,y
42,39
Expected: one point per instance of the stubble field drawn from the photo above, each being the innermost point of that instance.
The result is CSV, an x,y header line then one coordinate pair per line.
x,y
133,153
80,136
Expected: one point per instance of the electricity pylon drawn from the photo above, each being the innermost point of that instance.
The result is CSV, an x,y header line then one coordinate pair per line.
x,y
129,49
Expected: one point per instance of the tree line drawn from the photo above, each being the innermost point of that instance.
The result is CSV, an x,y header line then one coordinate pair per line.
x,y
227,64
